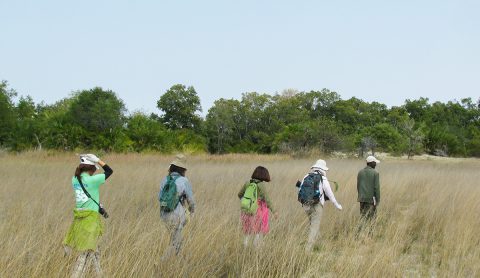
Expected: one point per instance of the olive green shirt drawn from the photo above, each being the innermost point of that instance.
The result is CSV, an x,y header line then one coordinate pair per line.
x,y
262,193
368,185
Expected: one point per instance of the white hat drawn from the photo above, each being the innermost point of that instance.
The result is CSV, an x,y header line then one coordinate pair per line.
x,y
84,160
321,164
372,158
180,161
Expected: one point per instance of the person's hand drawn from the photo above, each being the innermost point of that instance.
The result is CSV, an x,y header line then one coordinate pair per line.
x,y
93,158
338,206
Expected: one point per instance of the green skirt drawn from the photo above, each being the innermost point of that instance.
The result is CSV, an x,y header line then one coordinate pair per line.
x,y
86,229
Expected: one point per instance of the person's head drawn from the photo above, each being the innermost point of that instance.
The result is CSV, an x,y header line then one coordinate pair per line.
x,y
178,165
175,169
85,166
261,173
372,161
320,165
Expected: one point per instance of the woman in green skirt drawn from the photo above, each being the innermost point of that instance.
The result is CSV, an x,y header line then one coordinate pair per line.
x,y
87,226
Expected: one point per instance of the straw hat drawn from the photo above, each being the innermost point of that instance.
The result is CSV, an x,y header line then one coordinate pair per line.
x,y
180,161
320,164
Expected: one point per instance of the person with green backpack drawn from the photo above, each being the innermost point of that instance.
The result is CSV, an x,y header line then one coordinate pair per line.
x,y
255,203
174,196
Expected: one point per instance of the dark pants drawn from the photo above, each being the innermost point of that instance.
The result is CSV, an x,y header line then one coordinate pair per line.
x,y
368,210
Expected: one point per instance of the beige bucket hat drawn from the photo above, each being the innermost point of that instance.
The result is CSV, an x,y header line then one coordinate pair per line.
x,y
180,161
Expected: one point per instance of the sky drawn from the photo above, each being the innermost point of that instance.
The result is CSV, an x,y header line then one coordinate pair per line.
x,y
385,51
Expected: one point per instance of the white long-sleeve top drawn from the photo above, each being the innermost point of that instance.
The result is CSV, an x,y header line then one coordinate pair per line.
x,y
327,190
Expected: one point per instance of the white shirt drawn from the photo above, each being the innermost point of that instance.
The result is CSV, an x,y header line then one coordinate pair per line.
x,y
327,190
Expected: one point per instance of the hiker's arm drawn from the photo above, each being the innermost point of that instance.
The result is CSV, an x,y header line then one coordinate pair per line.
x,y
377,188
264,195
358,182
328,191
106,169
242,191
189,196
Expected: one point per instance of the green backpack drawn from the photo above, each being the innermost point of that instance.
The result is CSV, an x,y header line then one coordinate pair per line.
x,y
249,202
168,197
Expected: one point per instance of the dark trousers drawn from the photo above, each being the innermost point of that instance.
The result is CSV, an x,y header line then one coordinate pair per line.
x,y
368,210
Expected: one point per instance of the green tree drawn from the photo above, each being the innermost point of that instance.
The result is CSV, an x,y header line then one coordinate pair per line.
x,y
7,113
321,134
101,114
414,137
417,108
222,125
148,134
179,105
386,138
27,126
98,110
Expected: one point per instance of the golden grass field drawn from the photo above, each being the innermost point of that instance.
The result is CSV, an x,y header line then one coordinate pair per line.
x,y
428,222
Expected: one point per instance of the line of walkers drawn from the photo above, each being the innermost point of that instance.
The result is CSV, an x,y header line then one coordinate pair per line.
x,y
177,204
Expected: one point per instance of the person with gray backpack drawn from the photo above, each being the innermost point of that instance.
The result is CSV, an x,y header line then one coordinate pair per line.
x,y
174,196
313,191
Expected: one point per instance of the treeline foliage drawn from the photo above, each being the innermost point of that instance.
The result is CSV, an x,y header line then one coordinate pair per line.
x,y
288,122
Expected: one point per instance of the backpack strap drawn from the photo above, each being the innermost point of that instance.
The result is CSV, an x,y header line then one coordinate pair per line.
x,y
86,192
256,182
171,178
174,182
320,183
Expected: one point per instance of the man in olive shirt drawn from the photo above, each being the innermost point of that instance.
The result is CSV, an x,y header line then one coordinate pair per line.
x,y
368,187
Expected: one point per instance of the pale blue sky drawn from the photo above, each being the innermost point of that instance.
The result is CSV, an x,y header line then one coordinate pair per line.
x,y
383,51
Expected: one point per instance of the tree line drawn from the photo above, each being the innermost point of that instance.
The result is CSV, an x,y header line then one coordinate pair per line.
x,y
286,122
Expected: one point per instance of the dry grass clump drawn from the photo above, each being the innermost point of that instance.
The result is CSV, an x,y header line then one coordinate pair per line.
x,y
428,222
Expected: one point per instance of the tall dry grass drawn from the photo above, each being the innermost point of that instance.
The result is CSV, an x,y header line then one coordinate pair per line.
x,y
428,222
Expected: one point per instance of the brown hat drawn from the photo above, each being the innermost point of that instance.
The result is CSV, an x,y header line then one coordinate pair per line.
x,y
180,161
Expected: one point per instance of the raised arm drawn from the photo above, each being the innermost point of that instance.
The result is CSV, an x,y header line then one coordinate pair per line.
x,y
107,170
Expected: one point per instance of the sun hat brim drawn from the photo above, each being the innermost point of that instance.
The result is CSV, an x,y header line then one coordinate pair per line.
x,y
320,166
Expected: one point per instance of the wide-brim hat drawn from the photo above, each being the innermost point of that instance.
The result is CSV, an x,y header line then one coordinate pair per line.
x,y
180,161
372,158
320,164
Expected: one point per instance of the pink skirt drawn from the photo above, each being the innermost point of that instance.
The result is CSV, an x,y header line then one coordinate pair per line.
x,y
257,223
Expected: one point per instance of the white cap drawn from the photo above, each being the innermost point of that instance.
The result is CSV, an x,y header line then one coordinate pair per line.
x,y
372,158
321,164
84,160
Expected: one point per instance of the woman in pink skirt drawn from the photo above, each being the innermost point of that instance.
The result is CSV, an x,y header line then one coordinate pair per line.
x,y
257,223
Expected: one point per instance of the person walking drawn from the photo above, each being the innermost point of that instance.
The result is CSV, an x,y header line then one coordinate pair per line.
x,y
368,187
255,205
314,190
87,227
176,200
